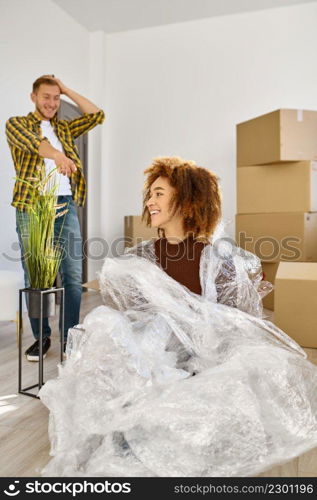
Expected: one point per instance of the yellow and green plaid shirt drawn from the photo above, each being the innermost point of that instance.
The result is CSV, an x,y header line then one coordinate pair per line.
x,y
24,136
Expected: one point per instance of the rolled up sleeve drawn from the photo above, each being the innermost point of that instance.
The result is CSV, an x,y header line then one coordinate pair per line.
x,y
84,123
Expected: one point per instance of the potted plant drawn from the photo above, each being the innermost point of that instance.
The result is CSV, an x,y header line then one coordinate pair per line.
x,y
42,252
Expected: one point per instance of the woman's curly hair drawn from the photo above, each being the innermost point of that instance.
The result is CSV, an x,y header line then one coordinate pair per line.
x,y
197,194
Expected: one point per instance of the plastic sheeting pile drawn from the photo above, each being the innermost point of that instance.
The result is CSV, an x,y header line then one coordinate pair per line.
x,y
162,382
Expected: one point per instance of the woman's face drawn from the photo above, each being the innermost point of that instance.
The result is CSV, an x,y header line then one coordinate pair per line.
x,y
161,193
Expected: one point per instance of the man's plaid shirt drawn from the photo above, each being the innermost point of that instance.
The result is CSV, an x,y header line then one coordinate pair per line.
x,y
24,137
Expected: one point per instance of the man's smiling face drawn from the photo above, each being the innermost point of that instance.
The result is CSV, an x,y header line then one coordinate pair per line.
x,y
47,100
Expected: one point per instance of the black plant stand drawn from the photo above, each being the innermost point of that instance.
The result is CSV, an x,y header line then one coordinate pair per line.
x,y
41,293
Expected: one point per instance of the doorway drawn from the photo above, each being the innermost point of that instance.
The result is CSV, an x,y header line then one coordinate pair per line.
x,y
68,111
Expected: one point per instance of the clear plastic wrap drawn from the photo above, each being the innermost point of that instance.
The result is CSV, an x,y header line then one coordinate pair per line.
x,y
228,274
163,382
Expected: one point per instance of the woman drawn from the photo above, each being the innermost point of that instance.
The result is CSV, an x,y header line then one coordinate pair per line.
x,y
178,372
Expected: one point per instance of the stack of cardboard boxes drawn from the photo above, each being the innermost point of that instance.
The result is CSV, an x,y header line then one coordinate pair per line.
x,y
277,192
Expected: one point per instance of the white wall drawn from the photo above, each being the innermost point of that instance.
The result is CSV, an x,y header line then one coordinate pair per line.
x,y
97,83
36,37
181,89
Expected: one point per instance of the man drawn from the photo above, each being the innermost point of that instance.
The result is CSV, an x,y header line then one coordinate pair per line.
x,y
40,139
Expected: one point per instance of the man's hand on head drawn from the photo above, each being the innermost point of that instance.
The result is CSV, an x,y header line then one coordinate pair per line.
x,y
58,82
85,106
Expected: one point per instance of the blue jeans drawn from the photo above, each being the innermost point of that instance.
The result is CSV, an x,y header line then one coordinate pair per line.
x,y
70,268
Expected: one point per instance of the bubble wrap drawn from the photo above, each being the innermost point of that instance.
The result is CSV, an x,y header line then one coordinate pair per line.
x,y
162,382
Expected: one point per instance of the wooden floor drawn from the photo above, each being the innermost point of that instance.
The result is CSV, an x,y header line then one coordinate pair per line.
x,y
24,444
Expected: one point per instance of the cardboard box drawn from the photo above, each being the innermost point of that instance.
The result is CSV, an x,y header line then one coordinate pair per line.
x,y
92,285
280,187
135,231
296,301
269,269
279,236
283,135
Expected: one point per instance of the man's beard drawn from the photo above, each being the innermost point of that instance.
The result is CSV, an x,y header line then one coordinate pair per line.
x,y
43,113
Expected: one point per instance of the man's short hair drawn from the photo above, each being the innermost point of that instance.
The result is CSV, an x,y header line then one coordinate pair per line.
x,y
42,79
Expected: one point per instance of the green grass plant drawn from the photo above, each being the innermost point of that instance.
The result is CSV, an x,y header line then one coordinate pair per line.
x,y
41,248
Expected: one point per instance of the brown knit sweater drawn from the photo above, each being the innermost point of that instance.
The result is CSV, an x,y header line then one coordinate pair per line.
x,y
181,261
